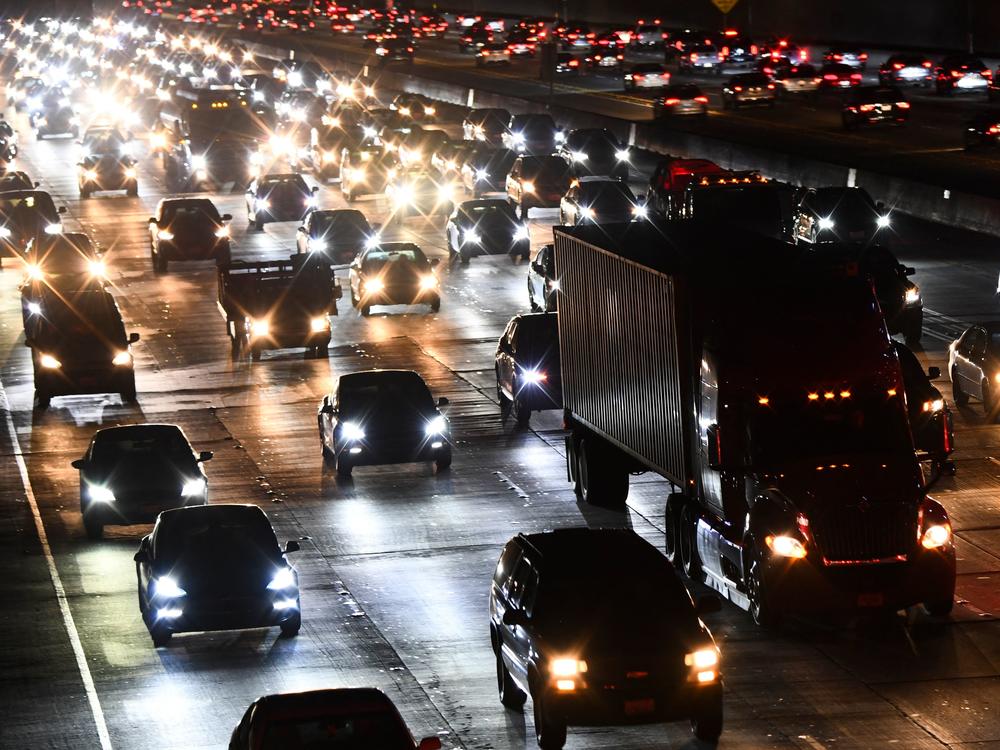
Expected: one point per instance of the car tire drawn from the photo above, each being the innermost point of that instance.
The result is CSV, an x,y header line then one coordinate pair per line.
x,y
960,397
941,608
159,636
344,466
707,726
762,611
290,628
160,263
42,400
549,731
129,395
511,696
84,194
687,542
132,191
435,305
258,225
93,527
522,414
366,311
443,462
255,353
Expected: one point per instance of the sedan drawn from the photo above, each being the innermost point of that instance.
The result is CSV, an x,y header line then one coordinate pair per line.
x,y
839,76
680,100
187,229
543,283
278,197
850,56
906,70
871,105
599,200
839,214
983,130
797,80
394,50
595,151
486,170
494,53
486,227
365,716
339,234
365,169
527,366
415,107
931,419
961,74
748,88
974,367
130,474
215,567
537,182
418,192
487,125
649,76
383,417
394,273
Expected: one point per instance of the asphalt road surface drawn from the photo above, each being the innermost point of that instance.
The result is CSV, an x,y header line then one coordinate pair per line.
x,y
396,563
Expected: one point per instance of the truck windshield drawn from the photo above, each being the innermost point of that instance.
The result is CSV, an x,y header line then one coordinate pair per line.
x,y
823,430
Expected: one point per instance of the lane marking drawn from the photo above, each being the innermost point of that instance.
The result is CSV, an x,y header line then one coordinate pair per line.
x,y
511,485
61,598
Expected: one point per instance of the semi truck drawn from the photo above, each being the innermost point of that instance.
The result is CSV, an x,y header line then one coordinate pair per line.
x,y
765,388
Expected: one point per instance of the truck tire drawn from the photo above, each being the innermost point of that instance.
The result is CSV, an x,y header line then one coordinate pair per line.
x,y
573,464
671,528
602,483
687,529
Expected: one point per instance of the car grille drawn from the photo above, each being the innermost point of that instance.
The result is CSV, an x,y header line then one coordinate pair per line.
x,y
865,532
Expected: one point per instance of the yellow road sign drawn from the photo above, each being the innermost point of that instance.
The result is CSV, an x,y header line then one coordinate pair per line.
x,y
725,5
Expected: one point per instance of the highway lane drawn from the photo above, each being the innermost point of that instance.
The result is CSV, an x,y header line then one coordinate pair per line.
x,y
396,563
929,149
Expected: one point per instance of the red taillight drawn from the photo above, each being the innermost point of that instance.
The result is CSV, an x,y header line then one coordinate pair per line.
x,y
838,56
694,57
830,77
867,107
927,63
591,35
903,105
770,85
665,76
994,130
855,76
737,88
637,76
409,49
957,74
619,57
701,99
897,66
754,49
863,56
724,52
987,74
671,101
574,63
663,35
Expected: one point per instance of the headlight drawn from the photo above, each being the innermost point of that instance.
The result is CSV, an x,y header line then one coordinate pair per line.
x,y
262,203
90,174
623,154
639,212
518,138
352,431
34,308
883,222
320,323
528,186
936,536
436,426
560,136
521,233
316,245
428,281
167,587
4,232
98,494
533,376
34,272
567,667
222,232
49,362
373,241
373,285
445,193
329,156
785,546
193,487
471,236
578,156
912,296
121,359
430,110
198,161
97,268
311,200
259,328
405,111
256,158
703,665
587,212
283,579
369,91
357,174
826,223
295,78
934,405
482,174
554,284
163,234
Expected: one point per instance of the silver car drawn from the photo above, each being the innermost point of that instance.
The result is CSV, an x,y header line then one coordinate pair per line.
x,y
748,88
681,100
797,80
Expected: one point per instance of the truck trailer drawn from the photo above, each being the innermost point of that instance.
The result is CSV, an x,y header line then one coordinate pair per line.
x,y
764,386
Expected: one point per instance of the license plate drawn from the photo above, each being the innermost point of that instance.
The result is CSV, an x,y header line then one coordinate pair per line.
x,y
857,235
886,108
640,707
871,600
88,381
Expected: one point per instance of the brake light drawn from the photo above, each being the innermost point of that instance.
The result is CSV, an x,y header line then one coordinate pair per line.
x,y
574,63
637,76
665,76
701,99
855,76
694,57
737,88
663,35
994,130
754,49
897,66
830,77
903,105
770,85
956,74
838,56
725,52
863,56
671,101
867,107
987,73
927,63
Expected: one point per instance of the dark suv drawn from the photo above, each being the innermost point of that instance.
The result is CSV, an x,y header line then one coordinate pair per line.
x,y
597,628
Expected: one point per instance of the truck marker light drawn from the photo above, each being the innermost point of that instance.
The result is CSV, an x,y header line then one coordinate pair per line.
x,y
845,394
763,400
891,392
829,395
813,396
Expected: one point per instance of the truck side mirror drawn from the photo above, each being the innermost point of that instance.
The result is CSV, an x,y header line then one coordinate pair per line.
x,y
79,463
880,207
291,546
443,401
327,407
933,373
133,337
714,447
205,456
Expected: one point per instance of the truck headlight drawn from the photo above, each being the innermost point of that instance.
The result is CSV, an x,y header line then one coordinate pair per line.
x,y
528,186
623,155
352,431
194,487
936,536
639,212
259,328
912,296
99,494
283,579
90,175
826,224
222,232
49,362
130,173
430,110
436,426
97,268
587,212
567,667
329,156
471,237
316,245
481,175
320,323
121,359
785,546
521,233
560,137
578,156
164,234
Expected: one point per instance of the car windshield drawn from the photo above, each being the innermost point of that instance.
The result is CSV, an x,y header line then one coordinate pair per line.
x,y
31,212
349,227
205,537
552,167
850,208
599,142
387,395
687,91
538,127
191,212
284,188
140,444
616,199
382,257
81,320
66,255
359,731
110,144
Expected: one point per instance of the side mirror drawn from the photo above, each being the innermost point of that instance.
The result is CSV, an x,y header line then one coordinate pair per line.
x,y
152,220
79,463
300,229
909,270
327,407
880,206
227,217
714,447
133,337
429,743
38,184
933,373
443,401
142,556
435,262
61,209
291,546
514,617
29,343
314,189
707,605
205,456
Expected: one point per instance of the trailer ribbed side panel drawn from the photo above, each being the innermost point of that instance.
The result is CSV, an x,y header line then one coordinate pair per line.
x,y
620,353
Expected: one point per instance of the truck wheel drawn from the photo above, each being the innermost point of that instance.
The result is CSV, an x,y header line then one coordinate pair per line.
x,y
323,351
601,482
573,464
93,527
761,609
687,544
671,529
511,695
549,732
707,726
960,397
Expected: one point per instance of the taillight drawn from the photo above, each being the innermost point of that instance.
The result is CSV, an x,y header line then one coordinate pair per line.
x,y
770,85
927,63
957,74
855,76
863,56
671,101
830,77
701,99
987,74
903,105
867,107
574,63
897,66
737,88
694,57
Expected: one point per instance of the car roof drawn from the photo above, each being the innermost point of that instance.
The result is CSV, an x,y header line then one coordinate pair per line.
x,y
358,378
195,514
620,548
483,203
151,429
342,699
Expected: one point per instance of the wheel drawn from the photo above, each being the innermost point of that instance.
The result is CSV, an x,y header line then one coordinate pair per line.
x,y
93,527
290,627
463,259
159,263
128,395
366,310
761,609
255,353
42,400
687,529
989,400
443,462
601,482
258,225
672,528
133,190
436,305
707,727
344,467
84,194
550,732
160,636
522,414
323,351
502,397
960,397
940,609
511,695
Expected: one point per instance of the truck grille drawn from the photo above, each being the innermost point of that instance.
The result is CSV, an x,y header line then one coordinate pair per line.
x,y
865,532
